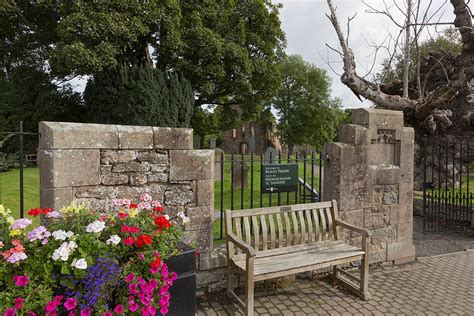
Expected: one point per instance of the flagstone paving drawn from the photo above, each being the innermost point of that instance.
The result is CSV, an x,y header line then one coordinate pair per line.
x,y
440,285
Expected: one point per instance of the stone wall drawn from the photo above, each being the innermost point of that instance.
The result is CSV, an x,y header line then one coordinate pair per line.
x,y
98,163
370,174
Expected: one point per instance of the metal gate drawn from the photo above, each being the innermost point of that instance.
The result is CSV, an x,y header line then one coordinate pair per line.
x,y
238,182
448,176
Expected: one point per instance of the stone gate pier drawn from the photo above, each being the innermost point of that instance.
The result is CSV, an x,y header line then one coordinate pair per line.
x,y
370,174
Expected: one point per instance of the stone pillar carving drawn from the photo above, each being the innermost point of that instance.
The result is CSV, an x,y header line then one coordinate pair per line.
x,y
98,163
370,174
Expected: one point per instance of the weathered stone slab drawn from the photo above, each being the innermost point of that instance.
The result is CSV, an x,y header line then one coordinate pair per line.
x,y
55,198
138,179
203,239
191,165
133,166
95,191
108,157
205,193
179,195
172,138
402,250
60,135
69,167
200,218
135,137
159,158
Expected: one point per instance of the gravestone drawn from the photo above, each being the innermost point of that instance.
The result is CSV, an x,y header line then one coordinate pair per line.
x,y
240,175
218,154
196,142
270,156
252,144
212,143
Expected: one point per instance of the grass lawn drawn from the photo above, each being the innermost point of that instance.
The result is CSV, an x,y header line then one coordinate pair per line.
x,y
10,190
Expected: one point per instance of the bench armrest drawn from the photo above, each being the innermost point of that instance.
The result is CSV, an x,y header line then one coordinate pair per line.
x,y
247,249
363,231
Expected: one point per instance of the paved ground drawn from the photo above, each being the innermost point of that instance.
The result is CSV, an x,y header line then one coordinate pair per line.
x,y
441,285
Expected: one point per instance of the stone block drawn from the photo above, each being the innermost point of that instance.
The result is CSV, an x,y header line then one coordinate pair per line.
x,y
384,235
55,198
376,220
69,167
108,157
200,217
405,232
205,193
401,214
202,239
98,205
354,217
172,138
160,176
154,157
60,135
95,191
135,137
124,191
353,134
111,178
132,166
378,119
179,195
191,165
138,179
379,255
401,251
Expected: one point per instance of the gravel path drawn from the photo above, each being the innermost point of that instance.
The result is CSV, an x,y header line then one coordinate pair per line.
x,y
432,244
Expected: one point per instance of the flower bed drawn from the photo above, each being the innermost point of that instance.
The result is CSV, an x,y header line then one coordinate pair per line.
x,y
80,262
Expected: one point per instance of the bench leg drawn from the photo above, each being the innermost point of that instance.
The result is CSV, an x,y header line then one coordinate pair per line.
x,y
334,275
364,278
249,288
230,281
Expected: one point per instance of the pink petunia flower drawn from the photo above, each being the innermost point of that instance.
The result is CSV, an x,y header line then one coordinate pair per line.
x,y
86,312
119,309
107,313
132,306
51,306
31,313
132,287
21,280
19,302
9,312
129,278
70,304
164,310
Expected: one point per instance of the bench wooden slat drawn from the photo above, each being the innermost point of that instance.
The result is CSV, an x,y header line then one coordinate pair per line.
x,y
322,218
316,224
287,229
238,231
264,232
256,233
330,223
248,237
303,226
277,209
272,231
296,233
310,225
280,230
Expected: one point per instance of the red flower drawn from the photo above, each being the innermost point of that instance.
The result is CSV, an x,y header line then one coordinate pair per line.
x,y
122,215
143,240
125,229
129,241
47,210
155,263
162,222
158,209
34,212
133,205
134,229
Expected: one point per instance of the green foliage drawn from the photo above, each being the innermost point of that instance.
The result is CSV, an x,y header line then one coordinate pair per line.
x,y
139,95
8,161
307,114
448,43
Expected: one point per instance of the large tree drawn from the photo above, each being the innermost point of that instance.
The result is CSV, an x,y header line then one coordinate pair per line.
x,y
429,111
307,114
227,49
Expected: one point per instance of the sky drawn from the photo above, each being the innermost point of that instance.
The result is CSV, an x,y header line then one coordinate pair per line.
x,y
308,31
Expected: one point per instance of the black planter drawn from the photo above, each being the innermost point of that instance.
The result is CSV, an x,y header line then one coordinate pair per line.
x,y
183,291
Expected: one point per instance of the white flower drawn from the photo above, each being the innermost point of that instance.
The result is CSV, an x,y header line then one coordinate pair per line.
x,y
95,227
167,217
79,264
183,217
62,235
64,251
114,240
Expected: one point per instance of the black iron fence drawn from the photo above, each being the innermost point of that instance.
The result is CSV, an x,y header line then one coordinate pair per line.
x,y
448,178
22,160
246,181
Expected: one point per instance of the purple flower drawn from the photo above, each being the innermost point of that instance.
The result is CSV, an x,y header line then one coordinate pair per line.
x,y
53,214
21,223
39,233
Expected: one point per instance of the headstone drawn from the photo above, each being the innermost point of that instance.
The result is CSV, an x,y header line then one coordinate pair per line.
x,y
240,175
218,154
270,156
196,142
212,143
252,144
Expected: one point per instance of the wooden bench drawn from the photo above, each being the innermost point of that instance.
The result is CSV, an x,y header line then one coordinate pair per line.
x,y
272,242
